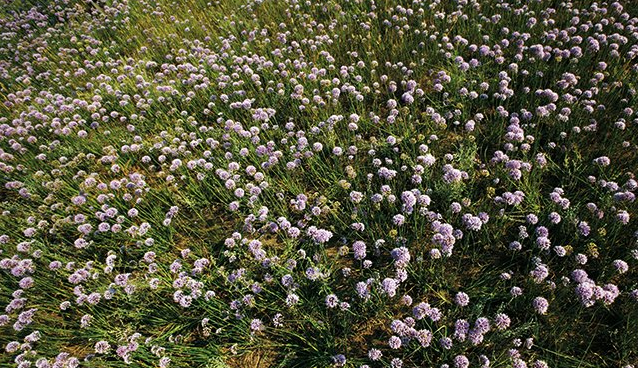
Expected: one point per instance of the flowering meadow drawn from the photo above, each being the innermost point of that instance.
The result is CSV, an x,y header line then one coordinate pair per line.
x,y
318,183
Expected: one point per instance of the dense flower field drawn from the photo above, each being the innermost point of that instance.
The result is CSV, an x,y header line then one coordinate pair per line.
x,y
310,183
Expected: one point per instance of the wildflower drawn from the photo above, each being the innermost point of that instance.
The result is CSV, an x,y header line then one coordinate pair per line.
x,y
398,219
620,266
502,321
584,228
602,161
332,301
164,362
359,249
461,361
472,223
374,354
406,300
623,217
516,291
356,197
389,286
256,325
339,360
446,343
540,305
277,320
461,328
540,364
322,236
461,299
102,347
292,299
401,256
394,342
